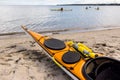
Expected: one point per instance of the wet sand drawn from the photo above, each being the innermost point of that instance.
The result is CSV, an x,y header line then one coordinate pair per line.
x,y
22,59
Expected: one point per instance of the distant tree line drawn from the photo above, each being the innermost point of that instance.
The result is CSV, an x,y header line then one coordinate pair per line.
x,y
110,4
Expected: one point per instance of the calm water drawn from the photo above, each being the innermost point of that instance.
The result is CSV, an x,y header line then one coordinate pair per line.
x,y
41,18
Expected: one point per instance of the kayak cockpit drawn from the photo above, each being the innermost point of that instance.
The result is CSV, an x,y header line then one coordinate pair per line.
x,y
102,68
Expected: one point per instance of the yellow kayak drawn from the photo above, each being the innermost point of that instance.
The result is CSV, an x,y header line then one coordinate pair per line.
x,y
76,59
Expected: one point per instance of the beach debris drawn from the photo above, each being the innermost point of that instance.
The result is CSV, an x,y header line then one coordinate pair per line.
x,y
12,46
7,64
9,60
118,49
55,33
21,50
112,51
32,77
68,40
32,43
9,55
2,51
17,60
115,37
81,41
97,45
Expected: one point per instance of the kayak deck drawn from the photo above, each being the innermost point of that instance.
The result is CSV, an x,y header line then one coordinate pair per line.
x,y
65,56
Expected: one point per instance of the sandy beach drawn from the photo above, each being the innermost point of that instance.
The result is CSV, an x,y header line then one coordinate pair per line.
x,y
22,59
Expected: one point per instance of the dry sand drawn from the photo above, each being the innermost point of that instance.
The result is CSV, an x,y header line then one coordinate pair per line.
x,y
22,59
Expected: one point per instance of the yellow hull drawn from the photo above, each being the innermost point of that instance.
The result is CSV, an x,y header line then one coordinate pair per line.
x,y
75,69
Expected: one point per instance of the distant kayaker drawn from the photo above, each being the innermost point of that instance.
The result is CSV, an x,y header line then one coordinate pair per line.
x,y
61,9
86,8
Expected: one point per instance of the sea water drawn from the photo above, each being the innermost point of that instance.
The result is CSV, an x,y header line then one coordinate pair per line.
x,y
42,18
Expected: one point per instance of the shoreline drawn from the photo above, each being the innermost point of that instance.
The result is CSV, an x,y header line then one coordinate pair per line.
x,y
19,54
61,31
